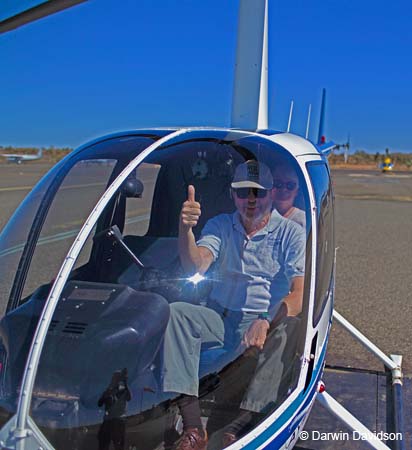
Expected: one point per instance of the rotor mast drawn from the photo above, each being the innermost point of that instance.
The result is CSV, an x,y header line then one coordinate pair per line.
x,y
250,90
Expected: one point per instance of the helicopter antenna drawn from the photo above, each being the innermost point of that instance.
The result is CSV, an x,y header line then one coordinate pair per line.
x,y
308,121
290,116
321,136
250,90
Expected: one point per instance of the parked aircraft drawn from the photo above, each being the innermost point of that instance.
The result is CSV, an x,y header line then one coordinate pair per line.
x,y
387,165
18,158
85,312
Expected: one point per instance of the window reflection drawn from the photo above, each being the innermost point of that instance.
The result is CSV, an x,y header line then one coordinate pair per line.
x,y
211,343
114,399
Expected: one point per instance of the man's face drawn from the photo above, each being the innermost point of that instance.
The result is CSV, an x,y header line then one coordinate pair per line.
x,y
254,207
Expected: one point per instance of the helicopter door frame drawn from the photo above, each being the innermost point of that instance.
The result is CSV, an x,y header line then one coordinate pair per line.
x,y
311,330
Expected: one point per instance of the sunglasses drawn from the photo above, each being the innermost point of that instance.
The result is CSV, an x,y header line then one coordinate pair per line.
x,y
244,192
290,185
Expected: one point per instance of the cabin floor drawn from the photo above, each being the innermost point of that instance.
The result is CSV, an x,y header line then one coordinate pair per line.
x,y
367,395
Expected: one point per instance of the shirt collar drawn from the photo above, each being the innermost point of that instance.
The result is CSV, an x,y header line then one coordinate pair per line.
x,y
274,221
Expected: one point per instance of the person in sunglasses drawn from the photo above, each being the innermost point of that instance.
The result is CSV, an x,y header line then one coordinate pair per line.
x,y
286,189
250,249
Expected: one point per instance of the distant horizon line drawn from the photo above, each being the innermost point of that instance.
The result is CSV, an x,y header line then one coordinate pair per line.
x,y
66,148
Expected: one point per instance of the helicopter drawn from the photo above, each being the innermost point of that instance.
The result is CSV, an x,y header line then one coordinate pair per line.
x,y
387,165
86,290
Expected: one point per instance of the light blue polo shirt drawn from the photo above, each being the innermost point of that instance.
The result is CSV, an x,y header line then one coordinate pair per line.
x,y
253,274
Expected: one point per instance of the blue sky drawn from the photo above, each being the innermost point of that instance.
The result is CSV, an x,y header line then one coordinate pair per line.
x,y
106,66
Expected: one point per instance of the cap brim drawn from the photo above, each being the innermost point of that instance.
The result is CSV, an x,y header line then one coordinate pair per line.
x,y
248,184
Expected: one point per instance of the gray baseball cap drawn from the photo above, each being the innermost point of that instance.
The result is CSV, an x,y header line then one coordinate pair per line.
x,y
252,174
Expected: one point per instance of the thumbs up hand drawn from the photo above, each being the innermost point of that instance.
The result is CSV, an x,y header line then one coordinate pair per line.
x,y
190,213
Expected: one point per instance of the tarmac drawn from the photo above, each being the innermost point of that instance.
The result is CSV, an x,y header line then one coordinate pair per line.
x,y
373,283
373,217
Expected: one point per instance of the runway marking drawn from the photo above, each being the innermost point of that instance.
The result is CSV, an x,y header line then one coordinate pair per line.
x,y
393,175
18,188
396,198
388,176
77,186
361,175
73,186
62,236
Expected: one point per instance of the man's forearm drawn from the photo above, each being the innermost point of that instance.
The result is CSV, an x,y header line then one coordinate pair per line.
x,y
291,305
190,255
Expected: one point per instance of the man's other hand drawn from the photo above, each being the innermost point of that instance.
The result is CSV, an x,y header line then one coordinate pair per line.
x,y
255,336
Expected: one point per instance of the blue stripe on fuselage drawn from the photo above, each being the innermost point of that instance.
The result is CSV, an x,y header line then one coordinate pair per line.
x,y
294,410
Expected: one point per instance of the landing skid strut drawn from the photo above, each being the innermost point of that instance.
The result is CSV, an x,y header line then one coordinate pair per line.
x,y
394,364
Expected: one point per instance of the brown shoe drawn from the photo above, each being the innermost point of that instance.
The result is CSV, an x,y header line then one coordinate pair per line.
x,y
192,439
228,439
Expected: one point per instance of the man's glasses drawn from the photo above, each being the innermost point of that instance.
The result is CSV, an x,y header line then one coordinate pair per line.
x,y
244,192
289,185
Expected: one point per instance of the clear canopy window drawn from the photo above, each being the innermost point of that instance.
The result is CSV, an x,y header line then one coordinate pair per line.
x,y
137,326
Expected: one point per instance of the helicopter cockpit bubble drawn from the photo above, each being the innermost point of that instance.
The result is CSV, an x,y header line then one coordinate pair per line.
x,y
110,314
